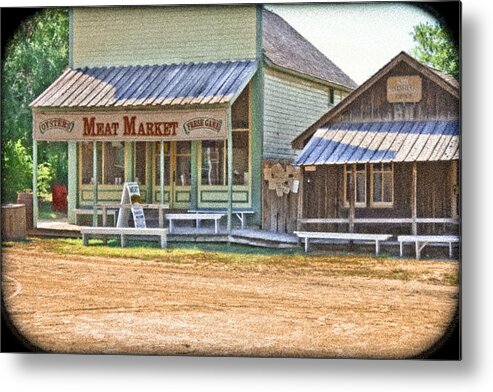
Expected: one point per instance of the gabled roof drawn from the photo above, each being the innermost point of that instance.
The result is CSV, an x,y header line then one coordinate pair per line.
x,y
443,80
286,48
154,85
383,141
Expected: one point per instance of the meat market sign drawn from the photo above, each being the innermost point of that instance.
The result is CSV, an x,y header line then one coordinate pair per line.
x,y
131,126
404,89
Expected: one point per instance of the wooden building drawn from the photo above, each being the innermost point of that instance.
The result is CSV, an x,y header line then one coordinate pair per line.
x,y
189,101
386,159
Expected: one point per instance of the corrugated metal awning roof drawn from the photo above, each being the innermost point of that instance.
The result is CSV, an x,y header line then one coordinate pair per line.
x,y
390,141
154,85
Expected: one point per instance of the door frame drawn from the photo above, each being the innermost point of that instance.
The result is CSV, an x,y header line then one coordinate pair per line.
x,y
178,196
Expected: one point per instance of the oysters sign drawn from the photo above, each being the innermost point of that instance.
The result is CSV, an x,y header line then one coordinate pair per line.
x,y
128,126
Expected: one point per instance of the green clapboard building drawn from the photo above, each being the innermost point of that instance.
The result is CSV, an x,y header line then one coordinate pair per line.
x,y
188,101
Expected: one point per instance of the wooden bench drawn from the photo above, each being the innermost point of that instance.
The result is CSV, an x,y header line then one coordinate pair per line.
x,y
421,241
123,232
90,211
240,214
196,217
307,235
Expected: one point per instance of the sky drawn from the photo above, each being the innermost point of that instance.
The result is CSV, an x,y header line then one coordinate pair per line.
x,y
358,38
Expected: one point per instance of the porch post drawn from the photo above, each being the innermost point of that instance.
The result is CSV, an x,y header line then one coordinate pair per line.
x,y
352,197
95,183
454,186
161,171
414,204
72,181
230,170
300,199
35,184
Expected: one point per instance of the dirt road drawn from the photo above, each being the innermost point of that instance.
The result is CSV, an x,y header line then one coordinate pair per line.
x,y
74,303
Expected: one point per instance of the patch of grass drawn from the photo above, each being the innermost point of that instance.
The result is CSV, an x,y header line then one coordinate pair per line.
x,y
175,252
452,278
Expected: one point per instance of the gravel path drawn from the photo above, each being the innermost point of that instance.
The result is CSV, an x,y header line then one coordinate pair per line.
x,y
98,305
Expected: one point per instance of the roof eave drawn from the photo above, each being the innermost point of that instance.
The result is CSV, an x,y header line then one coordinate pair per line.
x,y
303,75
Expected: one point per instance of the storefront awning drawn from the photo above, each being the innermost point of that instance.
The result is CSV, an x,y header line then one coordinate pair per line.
x,y
172,102
388,141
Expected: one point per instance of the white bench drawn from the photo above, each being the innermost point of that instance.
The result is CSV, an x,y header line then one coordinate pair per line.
x,y
240,214
421,241
90,211
123,232
196,217
343,236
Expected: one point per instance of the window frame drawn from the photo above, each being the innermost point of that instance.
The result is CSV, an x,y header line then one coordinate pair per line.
x,y
346,171
381,204
102,167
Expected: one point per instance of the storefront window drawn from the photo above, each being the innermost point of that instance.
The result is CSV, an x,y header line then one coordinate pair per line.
x,y
183,162
86,149
240,158
140,162
113,163
213,162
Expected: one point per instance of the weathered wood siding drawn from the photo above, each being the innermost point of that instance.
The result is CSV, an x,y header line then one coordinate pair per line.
x,y
372,105
324,198
162,35
278,213
291,105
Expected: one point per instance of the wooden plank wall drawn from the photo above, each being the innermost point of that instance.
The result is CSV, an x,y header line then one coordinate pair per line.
x,y
372,105
278,213
324,198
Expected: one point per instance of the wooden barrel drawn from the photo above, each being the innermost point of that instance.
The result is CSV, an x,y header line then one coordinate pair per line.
x,y
13,222
26,198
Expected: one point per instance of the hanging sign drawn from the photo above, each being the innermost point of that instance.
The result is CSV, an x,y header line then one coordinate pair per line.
x,y
131,126
404,89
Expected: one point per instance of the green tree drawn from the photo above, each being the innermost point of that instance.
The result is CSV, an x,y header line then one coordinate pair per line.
x,y
436,47
34,57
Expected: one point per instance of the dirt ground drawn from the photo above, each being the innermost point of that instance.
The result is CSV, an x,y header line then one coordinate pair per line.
x,y
311,308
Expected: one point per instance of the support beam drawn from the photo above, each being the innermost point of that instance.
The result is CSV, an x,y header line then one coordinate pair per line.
x,y
195,175
454,189
352,198
72,182
35,184
414,203
230,171
161,171
149,184
95,183
300,199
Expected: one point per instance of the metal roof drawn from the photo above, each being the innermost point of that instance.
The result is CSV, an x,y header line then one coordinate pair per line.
x,y
154,85
389,141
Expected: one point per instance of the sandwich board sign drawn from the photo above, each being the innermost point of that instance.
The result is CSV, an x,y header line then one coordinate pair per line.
x,y
131,195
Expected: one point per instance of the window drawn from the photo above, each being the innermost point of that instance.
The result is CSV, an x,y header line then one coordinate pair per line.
x,y
183,163
140,161
215,160
359,186
111,162
382,185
